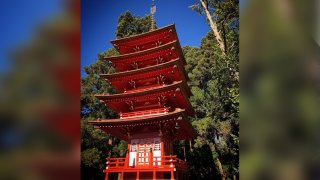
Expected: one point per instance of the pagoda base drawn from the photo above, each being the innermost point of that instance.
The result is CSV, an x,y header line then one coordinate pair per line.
x,y
146,173
169,167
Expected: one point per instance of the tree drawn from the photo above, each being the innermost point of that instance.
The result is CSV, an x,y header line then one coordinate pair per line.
x,y
223,17
219,13
130,25
215,85
215,99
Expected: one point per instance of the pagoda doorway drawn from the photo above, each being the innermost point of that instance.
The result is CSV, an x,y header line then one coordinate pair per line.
x,y
144,153
142,150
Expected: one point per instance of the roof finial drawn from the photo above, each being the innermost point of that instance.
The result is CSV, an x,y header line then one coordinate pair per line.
x,y
153,10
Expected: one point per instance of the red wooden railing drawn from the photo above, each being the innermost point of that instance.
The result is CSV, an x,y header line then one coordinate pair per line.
x,y
116,162
154,162
144,113
143,88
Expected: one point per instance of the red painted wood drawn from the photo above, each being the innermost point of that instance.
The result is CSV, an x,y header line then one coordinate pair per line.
x,y
147,58
145,40
152,101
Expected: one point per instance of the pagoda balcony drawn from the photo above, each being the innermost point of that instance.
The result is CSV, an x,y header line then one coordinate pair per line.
x,y
145,113
163,163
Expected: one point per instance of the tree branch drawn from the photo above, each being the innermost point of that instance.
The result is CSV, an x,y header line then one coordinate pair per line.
x,y
214,28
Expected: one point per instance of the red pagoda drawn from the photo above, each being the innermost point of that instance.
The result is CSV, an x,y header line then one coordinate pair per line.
x,y
152,103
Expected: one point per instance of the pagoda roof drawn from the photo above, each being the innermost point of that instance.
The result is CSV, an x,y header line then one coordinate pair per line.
x,y
169,69
176,94
145,40
170,50
119,127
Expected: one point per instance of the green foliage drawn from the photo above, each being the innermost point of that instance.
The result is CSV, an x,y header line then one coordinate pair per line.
x,y
91,157
130,25
197,8
121,149
216,102
215,87
94,150
224,12
92,84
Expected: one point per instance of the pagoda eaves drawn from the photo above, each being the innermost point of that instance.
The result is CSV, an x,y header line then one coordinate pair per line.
x,y
120,128
145,40
149,57
174,95
160,74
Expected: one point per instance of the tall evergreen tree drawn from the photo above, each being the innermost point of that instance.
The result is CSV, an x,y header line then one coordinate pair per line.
x,y
216,93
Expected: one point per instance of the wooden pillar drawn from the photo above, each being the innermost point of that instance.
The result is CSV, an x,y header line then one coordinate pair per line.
x,y
107,176
162,147
172,175
126,162
138,175
154,176
151,158
122,174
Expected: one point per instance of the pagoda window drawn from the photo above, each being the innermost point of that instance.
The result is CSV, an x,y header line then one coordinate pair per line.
x,y
157,146
133,153
134,147
157,152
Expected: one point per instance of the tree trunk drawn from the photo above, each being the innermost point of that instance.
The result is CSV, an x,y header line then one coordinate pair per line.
x,y
217,35
234,177
218,163
214,28
220,169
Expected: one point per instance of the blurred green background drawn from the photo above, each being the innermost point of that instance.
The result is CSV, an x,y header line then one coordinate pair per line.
x,y
39,90
279,106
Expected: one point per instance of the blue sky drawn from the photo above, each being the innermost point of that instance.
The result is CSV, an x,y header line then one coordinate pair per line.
x,y
99,21
18,20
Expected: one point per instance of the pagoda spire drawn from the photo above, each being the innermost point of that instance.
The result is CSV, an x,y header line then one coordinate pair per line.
x,y
153,10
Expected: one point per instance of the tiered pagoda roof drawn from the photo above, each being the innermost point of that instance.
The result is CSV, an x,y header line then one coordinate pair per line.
x,y
149,57
169,72
170,96
147,40
151,82
152,85
121,127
